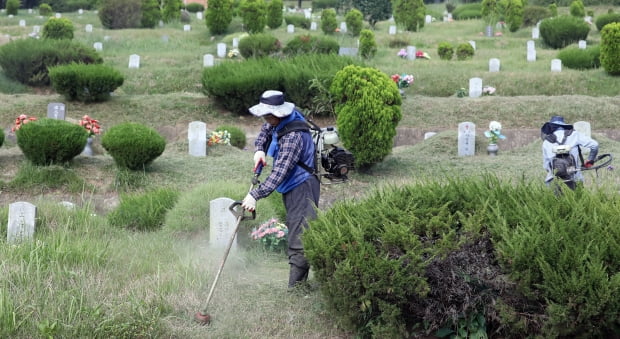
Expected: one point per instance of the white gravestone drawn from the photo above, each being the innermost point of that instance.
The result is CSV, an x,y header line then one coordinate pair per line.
x,y
556,65
221,50
89,28
411,50
165,38
475,87
235,42
98,46
392,30
535,33
449,16
199,15
427,135
428,19
80,11
106,38
36,29
221,223
307,14
583,127
313,26
473,44
494,65
467,139
290,29
56,110
347,51
22,23
29,10
58,15
343,27
208,60
187,28
22,216
197,135
531,50
582,44
134,61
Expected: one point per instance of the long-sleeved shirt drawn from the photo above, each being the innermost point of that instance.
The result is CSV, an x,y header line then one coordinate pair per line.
x,y
573,140
289,153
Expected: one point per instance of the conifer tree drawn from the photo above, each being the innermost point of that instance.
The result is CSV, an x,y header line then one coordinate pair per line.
x,y
254,15
409,14
218,16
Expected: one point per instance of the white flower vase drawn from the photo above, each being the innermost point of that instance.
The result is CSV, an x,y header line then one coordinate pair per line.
x,y
402,92
492,149
88,149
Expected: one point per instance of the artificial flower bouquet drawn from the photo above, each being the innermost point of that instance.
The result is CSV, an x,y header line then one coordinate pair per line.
x,y
488,90
494,133
272,234
402,80
91,125
219,137
22,120
422,55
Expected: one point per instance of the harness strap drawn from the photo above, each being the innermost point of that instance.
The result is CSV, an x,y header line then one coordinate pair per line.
x,y
300,126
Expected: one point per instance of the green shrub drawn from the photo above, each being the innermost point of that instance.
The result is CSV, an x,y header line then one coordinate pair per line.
x,y
118,14
473,10
12,7
297,21
399,41
172,10
259,45
323,4
445,50
533,14
355,21
553,9
577,58
132,145
464,51
58,28
194,7
185,17
253,13
514,15
610,48
237,136
1,137
409,14
85,82
144,211
367,104
307,43
50,141
559,32
605,19
274,14
368,44
236,86
328,21
27,60
45,10
577,9
151,14
219,16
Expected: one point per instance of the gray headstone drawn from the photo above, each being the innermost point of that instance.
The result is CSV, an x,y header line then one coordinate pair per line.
x,y
494,65
290,29
535,33
350,51
411,52
22,216
475,87
197,136
56,110
467,139
106,38
582,44
531,50
98,46
165,38
208,60
221,50
134,61
161,23
187,28
221,223
29,10
313,26
89,28
556,65
392,30
583,127
22,23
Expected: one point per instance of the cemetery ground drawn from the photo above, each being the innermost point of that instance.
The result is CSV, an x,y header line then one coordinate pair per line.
x,y
84,277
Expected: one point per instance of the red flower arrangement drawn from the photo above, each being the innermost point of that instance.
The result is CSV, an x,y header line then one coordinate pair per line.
x,y
91,125
22,120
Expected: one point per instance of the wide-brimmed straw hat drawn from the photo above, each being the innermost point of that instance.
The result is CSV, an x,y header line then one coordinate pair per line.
x,y
553,124
272,102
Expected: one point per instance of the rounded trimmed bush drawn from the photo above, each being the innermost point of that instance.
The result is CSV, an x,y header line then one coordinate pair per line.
x,y
464,51
368,44
577,58
328,21
194,7
533,14
561,31
117,14
150,14
274,14
51,141
302,44
133,145
610,48
605,19
45,9
145,211
445,50
237,136
258,45
85,82
58,28
12,7
355,21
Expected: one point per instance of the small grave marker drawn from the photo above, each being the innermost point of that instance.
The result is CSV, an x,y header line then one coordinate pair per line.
x,y
583,127
307,13
582,44
98,46
473,44
89,28
187,28
21,224
165,38
80,11
531,50
221,223
467,139
392,30
199,15
221,50
494,65
348,51
197,136
535,33
411,50
428,19
475,87
313,26
22,23
235,42
36,29
427,135
134,61
343,27
556,65
208,60
290,29
58,15
56,110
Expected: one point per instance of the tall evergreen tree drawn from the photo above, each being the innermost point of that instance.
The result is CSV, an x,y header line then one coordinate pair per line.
x,y
219,15
409,14
254,15
274,14
374,10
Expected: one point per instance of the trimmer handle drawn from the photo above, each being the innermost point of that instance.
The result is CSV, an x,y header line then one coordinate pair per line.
x,y
241,214
257,172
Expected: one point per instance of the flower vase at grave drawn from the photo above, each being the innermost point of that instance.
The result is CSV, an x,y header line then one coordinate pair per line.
x,y
492,149
402,92
88,149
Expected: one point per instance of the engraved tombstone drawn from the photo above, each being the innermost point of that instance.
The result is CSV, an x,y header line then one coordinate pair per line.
x,y
494,65
80,11
535,33
134,61
290,29
427,135
21,224
467,139
165,38
221,223
58,15
531,50
313,26
582,44
343,27
98,46
187,28
36,29
307,14
583,127
208,60
56,110
392,30
197,135
89,28
235,42
475,87
199,15
556,65
411,52
22,23
221,50
428,19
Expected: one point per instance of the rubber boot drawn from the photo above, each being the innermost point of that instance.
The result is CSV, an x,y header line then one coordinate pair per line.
x,y
297,275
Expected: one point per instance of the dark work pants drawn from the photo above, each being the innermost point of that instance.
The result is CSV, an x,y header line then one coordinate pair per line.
x,y
300,204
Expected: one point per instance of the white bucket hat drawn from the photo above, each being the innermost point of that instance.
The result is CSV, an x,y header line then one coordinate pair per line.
x,y
272,102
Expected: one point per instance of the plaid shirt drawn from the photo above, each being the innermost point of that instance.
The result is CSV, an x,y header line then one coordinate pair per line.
x,y
289,153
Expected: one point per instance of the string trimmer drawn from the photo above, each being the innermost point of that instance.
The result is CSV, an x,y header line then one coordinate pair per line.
x,y
203,317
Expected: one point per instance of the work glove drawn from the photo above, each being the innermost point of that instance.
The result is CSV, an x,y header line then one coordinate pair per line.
x,y
589,164
249,203
259,158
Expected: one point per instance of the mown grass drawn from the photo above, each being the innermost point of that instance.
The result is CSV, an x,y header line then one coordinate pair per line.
x,y
83,278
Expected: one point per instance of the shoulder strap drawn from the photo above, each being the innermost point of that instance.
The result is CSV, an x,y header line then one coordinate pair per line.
x,y
301,126
553,139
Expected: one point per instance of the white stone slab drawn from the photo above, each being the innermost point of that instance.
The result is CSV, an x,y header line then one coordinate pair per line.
x,y
208,60
428,19
235,42
22,23
475,87
290,29
582,44
427,135
556,65
411,50
221,50
343,27
467,139
583,127
494,65
199,15
88,28
98,46
392,30
197,136
535,33
313,26
58,15
134,61
21,225
473,44
187,28
221,223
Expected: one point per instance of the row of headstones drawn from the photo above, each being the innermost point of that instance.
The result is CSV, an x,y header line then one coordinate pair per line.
x,y
467,135
23,215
